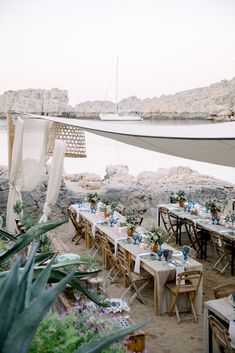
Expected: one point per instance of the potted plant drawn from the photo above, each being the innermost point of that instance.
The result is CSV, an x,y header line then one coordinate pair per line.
x,y
131,222
181,197
107,207
93,198
213,207
156,237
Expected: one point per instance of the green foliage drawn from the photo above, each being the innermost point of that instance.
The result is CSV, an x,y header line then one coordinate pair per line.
x,y
21,307
25,239
179,196
156,235
107,204
7,264
93,197
69,332
45,243
18,208
27,221
213,206
131,222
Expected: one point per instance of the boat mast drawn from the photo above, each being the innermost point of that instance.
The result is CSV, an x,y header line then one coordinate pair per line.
x,y
117,85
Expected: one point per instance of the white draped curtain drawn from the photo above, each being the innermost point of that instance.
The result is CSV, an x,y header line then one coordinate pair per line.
x,y
28,156
55,177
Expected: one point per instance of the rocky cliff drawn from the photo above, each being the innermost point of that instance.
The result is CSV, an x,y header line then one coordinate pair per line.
x,y
216,101
36,101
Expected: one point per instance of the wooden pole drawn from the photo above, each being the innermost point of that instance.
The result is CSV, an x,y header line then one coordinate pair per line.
x,y
10,136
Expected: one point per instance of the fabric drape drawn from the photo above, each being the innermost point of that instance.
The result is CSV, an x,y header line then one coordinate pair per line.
x,y
15,175
28,158
55,177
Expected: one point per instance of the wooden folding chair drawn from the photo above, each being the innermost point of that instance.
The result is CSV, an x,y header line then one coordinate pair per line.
x,y
112,261
93,240
134,282
195,235
224,290
187,282
79,227
222,250
169,223
221,335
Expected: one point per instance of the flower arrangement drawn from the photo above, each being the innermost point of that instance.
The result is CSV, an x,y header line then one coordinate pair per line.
x,y
212,206
93,197
179,196
132,222
156,235
107,205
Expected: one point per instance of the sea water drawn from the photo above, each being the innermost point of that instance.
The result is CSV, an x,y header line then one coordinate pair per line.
x,y
102,152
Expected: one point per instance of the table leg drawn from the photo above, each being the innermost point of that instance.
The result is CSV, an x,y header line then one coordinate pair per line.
x,y
156,303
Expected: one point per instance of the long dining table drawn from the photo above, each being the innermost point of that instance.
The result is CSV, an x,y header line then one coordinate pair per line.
x,y
162,271
204,222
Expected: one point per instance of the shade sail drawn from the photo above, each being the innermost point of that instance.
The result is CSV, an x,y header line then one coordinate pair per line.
x,y
187,141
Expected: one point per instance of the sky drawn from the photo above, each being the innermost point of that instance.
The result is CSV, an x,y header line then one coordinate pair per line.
x,y
163,46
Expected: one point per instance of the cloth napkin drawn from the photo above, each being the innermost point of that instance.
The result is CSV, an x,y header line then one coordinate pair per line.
x,y
93,228
116,244
137,261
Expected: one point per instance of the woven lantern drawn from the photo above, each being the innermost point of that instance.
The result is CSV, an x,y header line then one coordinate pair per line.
x,y
72,135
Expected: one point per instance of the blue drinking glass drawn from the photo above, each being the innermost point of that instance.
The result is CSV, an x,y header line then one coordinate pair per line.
x,y
185,252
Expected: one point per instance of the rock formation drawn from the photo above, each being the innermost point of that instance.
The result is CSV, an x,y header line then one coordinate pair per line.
x,y
216,101
137,194
35,101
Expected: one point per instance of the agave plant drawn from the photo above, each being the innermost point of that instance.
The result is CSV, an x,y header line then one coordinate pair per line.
x,y
24,298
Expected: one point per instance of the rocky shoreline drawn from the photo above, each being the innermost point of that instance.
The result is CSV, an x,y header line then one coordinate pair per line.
x,y
138,194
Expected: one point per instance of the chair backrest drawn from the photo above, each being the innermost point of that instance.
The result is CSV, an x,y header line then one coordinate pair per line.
x,y
224,290
191,280
221,335
218,242
166,220
73,216
190,227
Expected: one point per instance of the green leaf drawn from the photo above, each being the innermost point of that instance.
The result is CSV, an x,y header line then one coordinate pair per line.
x,y
22,334
97,345
8,301
40,283
24,286
57,275
25,239
41,258
7,235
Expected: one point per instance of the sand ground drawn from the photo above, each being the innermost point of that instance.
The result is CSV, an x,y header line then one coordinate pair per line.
x,y
163,333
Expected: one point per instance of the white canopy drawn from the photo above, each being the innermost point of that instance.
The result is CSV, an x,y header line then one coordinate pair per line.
x,y
187,141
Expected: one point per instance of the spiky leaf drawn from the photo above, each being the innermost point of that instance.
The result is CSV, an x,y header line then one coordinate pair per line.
x,y
8,300
27,322
25,239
